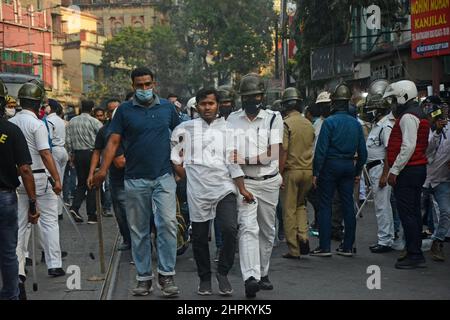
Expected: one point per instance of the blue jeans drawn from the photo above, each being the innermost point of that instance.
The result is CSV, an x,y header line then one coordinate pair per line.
x,y
145,197
118,198
336,174
9,265
442,195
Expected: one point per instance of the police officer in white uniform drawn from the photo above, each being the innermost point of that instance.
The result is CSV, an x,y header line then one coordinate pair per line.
x,y
57,131
378,112
260,135
36,135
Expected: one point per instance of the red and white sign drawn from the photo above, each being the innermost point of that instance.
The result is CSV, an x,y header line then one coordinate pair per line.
x,y
430,28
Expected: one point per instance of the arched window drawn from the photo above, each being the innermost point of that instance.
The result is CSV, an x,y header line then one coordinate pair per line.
x,y
117,27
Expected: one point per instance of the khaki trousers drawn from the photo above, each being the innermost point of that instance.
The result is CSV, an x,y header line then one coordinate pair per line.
x,y
293,197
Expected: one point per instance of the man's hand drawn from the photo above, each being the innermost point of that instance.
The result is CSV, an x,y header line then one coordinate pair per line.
x,y
314,182
392,179
99,178
383,181
248,196
440,124
283,186
90,181
357,179
57,188
236,158
33,214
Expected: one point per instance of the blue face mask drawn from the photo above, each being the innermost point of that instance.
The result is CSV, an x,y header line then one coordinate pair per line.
x,y
144,96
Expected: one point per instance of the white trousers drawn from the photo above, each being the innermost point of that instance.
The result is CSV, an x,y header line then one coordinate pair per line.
x,y
61,157
48,229
257,227
383,209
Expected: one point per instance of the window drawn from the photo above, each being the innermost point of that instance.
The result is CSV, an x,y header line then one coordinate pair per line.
x,y
117,27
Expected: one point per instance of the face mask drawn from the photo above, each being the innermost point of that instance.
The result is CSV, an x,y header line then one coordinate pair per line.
x,y
10,112
225,111
144,96
251,106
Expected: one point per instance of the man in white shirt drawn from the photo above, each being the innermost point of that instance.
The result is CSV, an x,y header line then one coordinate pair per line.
x,y
205,143
407,160
378,113
57,132
260,135
36,134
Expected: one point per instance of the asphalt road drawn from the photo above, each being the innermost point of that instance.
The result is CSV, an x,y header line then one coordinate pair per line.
x,y
313,277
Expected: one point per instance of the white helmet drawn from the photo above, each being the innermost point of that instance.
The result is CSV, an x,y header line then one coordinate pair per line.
x,y
192,104
404,91
324,97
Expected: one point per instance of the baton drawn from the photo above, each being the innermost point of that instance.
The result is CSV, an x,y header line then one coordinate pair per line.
x,y
33,246
91,255
101,252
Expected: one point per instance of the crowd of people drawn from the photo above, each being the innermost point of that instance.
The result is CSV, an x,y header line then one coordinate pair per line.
x,y
248,173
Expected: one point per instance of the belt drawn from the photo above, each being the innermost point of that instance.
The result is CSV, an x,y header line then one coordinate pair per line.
x,y
7,190
261,178
373,164
39,171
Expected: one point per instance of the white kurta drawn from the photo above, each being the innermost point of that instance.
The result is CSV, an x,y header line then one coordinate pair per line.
x,y
206,153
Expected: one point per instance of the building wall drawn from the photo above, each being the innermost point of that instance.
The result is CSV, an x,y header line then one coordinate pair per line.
x,y
22,35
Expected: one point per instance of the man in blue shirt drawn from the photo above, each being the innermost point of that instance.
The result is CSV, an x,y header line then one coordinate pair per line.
x,y
341,137
144,125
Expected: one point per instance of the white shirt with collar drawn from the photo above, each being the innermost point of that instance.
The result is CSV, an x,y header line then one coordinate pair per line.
x,y
207,150
57,129
255,136
377,141
35,133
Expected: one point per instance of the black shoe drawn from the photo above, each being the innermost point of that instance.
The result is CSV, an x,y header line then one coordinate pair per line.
x,y
56,272
251,287
380,249
304,247
318,252
92,220
28,262
63,255
76,216
409,263
265,284
373,246
290,256
22,290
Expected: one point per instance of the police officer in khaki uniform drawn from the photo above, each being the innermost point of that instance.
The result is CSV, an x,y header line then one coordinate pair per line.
x,y
296,168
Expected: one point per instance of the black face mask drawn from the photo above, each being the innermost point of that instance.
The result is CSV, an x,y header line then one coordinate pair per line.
x,y
225,111
251,106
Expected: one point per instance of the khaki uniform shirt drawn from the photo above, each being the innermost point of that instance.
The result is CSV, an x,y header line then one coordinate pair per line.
x,y
298,141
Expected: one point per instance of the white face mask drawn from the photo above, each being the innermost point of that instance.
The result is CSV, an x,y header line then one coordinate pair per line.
x,y
10,112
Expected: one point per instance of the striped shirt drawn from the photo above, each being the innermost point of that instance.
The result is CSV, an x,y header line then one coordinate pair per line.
x,y
81,133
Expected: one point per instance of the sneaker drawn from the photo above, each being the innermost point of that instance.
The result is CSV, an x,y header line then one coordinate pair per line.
x,y
92,220
205,288
56,272
344,252
265,284
143,288
107,214
437,252
76,216
304,247
409,263
251,287
225,288
124,247
318,252
167,286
